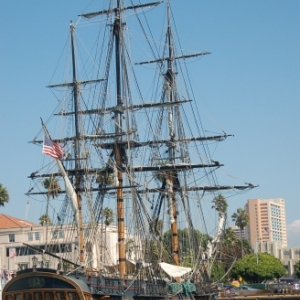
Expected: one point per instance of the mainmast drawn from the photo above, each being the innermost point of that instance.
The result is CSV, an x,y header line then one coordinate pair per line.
x,y
117,31
118,146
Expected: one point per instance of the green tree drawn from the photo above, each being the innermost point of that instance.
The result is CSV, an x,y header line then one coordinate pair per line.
x,y
228,248
105,176
246,247
241,219
4,196
258,267
190,241
52,186
156,227
45,220
217,271
108,215
220,204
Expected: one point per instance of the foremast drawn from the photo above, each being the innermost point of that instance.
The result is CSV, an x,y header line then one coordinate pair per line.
x,y
78,171
171,96
78,175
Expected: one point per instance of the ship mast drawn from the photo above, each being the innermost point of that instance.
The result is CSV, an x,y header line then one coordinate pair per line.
x,y
78,175
117,28
170,180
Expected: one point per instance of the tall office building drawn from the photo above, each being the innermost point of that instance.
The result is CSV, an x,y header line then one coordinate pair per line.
x,y
267,221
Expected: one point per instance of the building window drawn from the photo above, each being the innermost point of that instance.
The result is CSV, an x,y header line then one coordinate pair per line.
x,y
47,264
58,234
37,236
22,266
11,238
30,236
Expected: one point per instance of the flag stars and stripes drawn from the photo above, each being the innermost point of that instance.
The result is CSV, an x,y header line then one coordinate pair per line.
x,y
52,149
12,252
267,230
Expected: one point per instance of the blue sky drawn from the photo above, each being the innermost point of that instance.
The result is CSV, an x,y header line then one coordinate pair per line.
x,y
250,82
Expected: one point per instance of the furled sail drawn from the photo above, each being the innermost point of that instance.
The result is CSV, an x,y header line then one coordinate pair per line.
x,y
174,271
71,194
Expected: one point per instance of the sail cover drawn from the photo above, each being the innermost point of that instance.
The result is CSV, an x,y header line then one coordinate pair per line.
x,y
174,271
70,191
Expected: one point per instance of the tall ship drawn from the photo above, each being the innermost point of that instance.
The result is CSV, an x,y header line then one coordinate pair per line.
x,y
128,180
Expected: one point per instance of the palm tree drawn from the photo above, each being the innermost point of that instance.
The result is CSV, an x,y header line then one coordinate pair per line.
x,y
45,220
228,248
108,214
156,227
4,196
220,204
104,177
241,219
230,237
52,186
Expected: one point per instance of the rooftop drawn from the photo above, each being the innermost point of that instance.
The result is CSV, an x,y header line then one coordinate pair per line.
x,y
7,222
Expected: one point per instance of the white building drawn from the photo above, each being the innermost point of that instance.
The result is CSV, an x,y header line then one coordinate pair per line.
x,y
288,256
19,240
241,233
16,234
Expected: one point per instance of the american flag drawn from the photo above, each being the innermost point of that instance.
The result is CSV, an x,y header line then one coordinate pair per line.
x,y
12,252
7,274
267,230
52,149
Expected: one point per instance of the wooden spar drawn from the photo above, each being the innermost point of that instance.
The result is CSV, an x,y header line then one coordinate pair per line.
x,y
170,78
174,229
78,175
117,31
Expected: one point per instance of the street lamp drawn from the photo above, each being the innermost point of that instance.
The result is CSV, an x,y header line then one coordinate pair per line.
x,y
34,263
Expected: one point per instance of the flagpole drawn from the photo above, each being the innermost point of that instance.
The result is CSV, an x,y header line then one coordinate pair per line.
x,y
45,129
54,150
